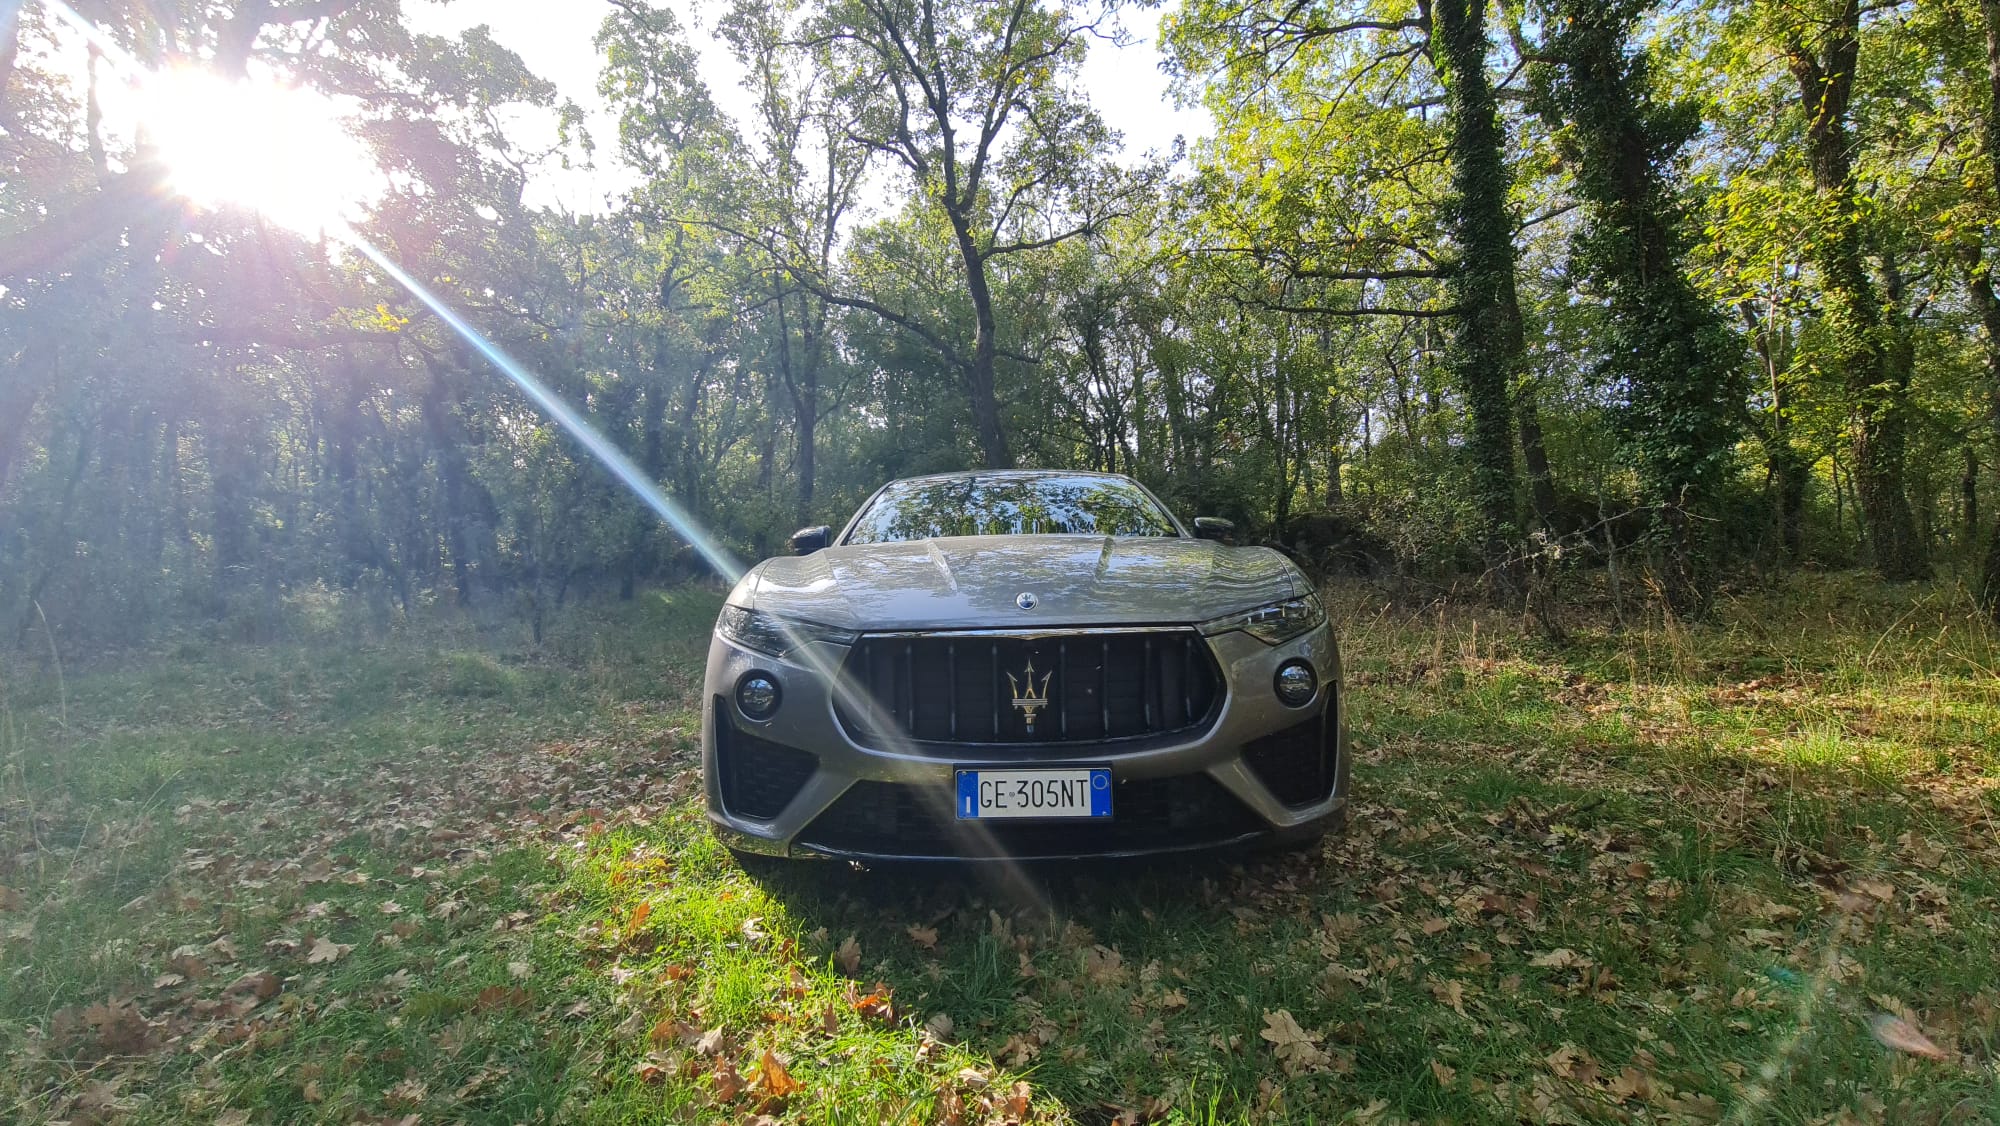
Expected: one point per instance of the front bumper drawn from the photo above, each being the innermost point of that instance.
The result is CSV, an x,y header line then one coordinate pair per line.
x,y
1178,793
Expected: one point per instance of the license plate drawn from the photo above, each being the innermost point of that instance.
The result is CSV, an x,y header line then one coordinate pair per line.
x,y
1081,791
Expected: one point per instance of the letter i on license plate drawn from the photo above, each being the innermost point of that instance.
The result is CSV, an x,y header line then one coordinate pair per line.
x,y
1081,791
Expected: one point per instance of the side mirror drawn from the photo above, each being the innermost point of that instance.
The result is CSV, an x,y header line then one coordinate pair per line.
x,y
805,541
1214,528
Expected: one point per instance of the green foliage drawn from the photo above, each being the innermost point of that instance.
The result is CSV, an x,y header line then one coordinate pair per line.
x,y
1438,266
1664,346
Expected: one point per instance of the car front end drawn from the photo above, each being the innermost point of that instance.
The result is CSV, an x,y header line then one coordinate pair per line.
x,y
1024,697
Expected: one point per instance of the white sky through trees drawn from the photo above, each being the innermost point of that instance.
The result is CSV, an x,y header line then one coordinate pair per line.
x,y
555,40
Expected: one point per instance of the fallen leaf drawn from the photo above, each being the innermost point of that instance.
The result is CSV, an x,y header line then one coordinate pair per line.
x,y
326,950
408,1093
1173,999
1103,965
638,918
1900,1035
848,957
1018,1098
926,937
1631,1083
1443,1074
974,1078
727,1080
519,971
1561,958
1297,1049
773,1081
264,984
940,1026
10,900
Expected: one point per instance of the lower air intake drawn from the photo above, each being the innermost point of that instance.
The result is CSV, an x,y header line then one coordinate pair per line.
x,y
886,819
758,778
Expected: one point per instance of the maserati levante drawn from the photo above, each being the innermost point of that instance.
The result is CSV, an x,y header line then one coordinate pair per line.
x,y
1024,665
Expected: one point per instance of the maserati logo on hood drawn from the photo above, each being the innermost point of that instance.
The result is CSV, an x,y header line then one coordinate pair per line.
x,y
1030,698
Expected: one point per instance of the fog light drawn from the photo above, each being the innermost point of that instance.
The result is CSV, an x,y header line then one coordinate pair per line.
x,y
757,695
1296,684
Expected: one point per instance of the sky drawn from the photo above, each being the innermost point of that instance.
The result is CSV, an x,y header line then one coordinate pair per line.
x,y
554,38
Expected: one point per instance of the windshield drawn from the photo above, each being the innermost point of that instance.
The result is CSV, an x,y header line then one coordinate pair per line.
x,y
1057,504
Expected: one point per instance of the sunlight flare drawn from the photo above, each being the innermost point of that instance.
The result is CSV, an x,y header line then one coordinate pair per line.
x,y
288,152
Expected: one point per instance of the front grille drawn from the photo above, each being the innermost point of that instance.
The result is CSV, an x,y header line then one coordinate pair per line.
x,y
1296,764
964,688
892,819
758,777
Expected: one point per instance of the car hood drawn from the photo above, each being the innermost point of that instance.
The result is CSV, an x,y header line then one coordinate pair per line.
x,y
973,582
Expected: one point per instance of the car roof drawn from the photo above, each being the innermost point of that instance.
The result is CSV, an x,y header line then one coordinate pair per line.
x,y
970,474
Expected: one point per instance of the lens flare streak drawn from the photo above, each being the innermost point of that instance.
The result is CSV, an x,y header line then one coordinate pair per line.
x,y
600,447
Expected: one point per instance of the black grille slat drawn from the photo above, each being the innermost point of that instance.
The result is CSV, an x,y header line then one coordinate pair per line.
x,y
1120,684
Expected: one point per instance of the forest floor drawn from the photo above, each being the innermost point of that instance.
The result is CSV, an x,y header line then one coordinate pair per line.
x,y
1743,871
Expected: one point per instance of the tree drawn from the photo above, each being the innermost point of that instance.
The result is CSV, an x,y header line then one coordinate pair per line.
x,y
977,104
1272,51
1870,335
1666,344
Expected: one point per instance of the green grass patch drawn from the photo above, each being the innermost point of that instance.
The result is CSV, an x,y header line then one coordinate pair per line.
x,y
1742,870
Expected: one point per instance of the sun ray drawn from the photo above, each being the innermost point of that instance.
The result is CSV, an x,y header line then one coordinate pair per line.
x,y
288,152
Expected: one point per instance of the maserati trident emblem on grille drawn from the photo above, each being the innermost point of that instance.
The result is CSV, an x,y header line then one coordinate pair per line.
x,y
1030,698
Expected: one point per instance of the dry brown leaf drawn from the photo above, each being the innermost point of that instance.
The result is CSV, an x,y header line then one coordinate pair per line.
x,y
940,1026
1173,999
1296,1048
326,950
974,1078
10,900
638,918
773,1081
848,957
926,937
1443,1074
727,1080
262,983
1900,1035
408,1093
1631,1083
1018,1098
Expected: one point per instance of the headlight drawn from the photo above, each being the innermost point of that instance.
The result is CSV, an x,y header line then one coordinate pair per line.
x,y
777,636
1274,624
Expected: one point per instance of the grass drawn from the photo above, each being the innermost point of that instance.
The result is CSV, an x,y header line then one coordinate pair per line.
x,y
1739,871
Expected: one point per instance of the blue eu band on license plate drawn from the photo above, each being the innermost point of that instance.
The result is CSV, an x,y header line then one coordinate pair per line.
x,y
1042,792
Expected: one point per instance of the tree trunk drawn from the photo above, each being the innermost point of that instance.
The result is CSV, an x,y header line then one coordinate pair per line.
x,y
979,383
1535,452
1981,285
1876,376
1486,353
